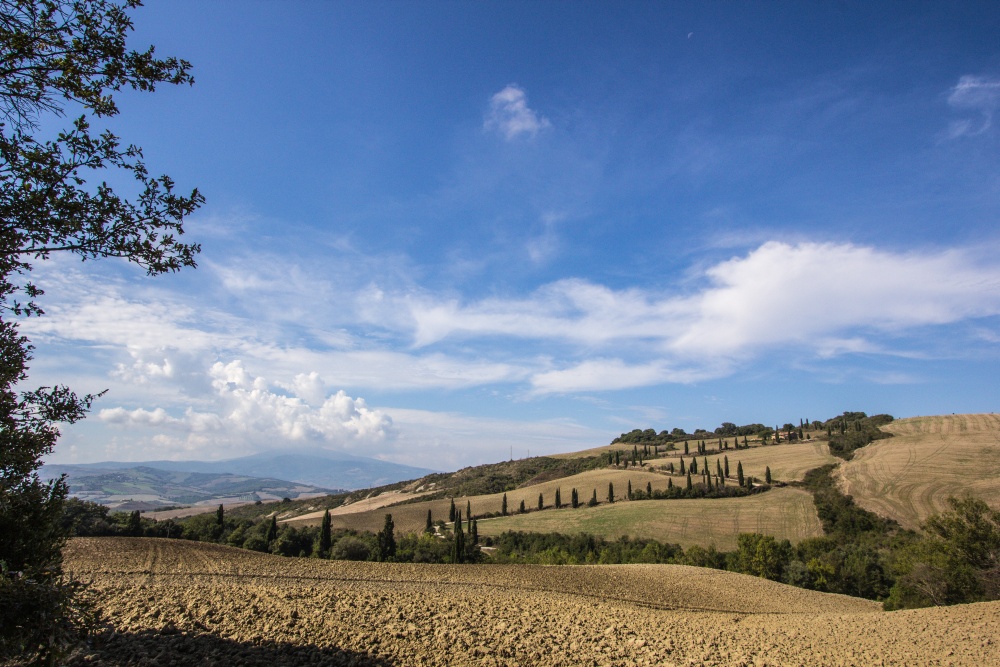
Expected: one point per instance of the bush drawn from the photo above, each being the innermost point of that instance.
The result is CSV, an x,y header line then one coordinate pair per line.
x,y
350,547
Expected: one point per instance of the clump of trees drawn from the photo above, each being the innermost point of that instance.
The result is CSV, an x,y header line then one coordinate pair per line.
x,y
61,56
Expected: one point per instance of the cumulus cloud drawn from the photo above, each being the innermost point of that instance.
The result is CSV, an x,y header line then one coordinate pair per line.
x,y
248,412
978,95
510,114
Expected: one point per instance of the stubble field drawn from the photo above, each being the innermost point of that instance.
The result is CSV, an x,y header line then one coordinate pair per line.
x,y
910,476
180,603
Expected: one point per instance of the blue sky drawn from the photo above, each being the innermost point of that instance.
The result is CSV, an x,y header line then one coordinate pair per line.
x,y
439,231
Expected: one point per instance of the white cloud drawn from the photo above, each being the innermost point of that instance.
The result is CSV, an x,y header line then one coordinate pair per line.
x,y
976,94
248,415
510,115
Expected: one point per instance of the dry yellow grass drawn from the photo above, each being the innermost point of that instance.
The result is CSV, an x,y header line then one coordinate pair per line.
x,y
174,602
783,513
909,477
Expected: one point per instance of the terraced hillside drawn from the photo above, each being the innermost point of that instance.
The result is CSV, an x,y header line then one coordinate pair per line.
x,y
910,476
175,602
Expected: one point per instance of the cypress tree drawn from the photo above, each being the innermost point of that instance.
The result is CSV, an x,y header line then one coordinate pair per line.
x,y
387,538
593,500
574,498
649,489
611,492
558,498
682,466
468,521
541,502
272,530
458,546
686,448
429,528
767,475
694,465
451,511
745,442
718,468
468,510
628,493
725,467
503,505
635,453
670,483
325,539
474,532
220,515
705,467
708,481
521,509
689,486
739,473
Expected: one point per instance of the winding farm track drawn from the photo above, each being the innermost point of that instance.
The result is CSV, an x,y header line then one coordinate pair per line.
x,y
910,476
175,602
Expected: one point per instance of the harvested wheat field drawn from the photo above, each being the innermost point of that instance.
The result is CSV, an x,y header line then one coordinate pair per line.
x,y
909,477
181,603
784,513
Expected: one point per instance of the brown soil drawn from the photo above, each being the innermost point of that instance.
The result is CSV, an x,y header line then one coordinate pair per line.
x,y
181,603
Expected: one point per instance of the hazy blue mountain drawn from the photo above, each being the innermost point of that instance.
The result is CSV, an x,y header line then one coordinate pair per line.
x,y
316,467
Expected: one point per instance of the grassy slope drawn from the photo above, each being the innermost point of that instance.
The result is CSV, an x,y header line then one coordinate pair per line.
x,y
910,476
784,513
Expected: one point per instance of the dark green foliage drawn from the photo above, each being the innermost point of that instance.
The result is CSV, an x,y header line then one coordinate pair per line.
x,y
272,530
325,535
429,528
474,532
611,492
387,538
451,511
689,487
628,492
767,474
593,500
521,509
220,515
694,466
558,498
649,489
682,467
558,549
574,498
541,502
351,547
761,556
503,505
862,431
468,510
458,544
739,473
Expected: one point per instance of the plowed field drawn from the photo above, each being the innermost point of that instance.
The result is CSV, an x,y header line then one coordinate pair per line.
x,y
910,476
182,603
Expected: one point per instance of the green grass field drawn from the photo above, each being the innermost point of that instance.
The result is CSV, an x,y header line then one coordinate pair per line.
x,y
785,513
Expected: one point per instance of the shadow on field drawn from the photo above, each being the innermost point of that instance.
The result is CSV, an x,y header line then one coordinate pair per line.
x,y
161,650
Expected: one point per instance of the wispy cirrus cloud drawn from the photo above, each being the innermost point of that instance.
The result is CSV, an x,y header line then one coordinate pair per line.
x,y
979,95
510,115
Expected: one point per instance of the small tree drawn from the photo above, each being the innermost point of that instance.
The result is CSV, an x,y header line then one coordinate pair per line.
x,y
649,489
429,528
593,500
628,492
694,466
574,498
451,511
739,473
387,538
725,466
558,498
541,502
689,485
474,532
670,483
686,450
611,492
458,546
503,505
682,467
767,475
468,510
325,536
220,515
272,530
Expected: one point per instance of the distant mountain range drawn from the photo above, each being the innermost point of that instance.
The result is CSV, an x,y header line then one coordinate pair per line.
x,y
271,474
